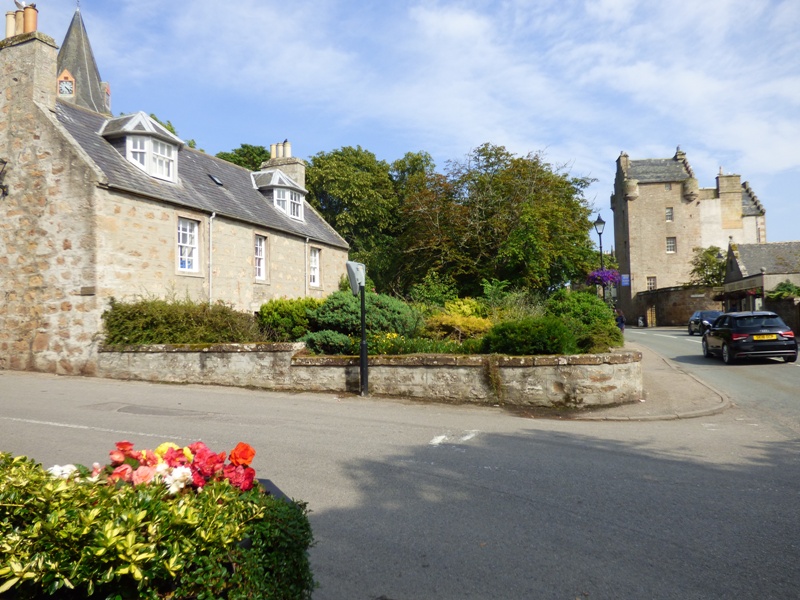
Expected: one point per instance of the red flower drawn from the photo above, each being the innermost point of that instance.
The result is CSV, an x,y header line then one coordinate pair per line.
x,y
117,457
239,476
242,455
124,472
175,457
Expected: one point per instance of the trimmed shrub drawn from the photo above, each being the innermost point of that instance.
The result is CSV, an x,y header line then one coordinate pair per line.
x,y
588,317
158,321
456,327
341,311
544,335
391,343
286,319
67,536
331,342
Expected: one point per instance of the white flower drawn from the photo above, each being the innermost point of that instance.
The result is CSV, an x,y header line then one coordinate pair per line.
x,y
63,472
178,478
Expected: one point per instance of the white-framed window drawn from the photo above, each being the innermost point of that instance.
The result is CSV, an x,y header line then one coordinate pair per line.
x,y
154,157
281,199
651,283
672,244
295,205
313,267
163,160
260,258
670,214
188,245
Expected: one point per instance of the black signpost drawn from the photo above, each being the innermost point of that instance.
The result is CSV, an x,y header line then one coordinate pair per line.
x,y
357,275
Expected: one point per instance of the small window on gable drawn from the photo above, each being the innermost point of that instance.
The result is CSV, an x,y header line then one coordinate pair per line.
x,y
153,156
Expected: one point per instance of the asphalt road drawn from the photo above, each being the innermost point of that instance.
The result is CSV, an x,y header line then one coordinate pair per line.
x,y
766,389
413,501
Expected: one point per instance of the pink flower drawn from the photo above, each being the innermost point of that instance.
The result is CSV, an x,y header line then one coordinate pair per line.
x,y
117,457
143,475
175,458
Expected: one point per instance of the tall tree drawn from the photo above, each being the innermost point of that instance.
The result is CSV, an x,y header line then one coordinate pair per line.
x,y
708,266
354,192
247,156
498,216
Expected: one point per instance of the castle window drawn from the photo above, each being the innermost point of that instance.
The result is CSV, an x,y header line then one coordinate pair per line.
x,y
313,267
152,156
672,244
669,214
188,248
260,258
651,284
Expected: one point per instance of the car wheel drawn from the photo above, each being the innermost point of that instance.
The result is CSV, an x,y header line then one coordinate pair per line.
x,y
706,352
727,357
691,331
790,359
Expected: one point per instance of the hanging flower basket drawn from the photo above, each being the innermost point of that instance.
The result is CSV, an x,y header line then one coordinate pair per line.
x,y
604,277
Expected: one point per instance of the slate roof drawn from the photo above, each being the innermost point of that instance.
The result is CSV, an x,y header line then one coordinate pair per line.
x,y
236,198
657,170
774,257
77,57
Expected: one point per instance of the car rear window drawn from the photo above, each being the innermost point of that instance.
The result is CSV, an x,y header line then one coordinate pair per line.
x,y
759,321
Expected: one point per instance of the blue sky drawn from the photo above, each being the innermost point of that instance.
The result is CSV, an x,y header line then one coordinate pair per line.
x,y
579,80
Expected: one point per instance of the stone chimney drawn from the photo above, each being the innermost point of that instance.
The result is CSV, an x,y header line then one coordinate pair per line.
x,y
280,157
729,192
28,64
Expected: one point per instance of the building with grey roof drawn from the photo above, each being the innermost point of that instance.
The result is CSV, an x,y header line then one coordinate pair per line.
x,y
661,215
94,207
752,270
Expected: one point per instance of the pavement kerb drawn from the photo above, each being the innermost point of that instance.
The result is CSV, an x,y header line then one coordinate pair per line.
x,y
721,405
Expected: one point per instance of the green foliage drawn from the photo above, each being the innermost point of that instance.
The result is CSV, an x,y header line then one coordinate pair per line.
x,y
341,311
354,192
248,156
391,343
76,539
498,217
544,335
158,321
589,318
286,319
330,342
435,289
465,307
785,289
708,266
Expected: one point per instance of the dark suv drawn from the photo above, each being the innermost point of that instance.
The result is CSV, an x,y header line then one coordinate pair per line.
x,y
702,320
750,335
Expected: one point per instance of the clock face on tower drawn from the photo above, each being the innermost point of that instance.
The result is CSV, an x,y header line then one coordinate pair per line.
x,y
66,88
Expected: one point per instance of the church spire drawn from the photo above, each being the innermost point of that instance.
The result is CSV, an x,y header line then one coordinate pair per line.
x,y
78,77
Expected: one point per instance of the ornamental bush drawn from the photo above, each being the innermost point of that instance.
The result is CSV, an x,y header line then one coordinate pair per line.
x,y
286,319
341,311
140,528
159,321
542,335
330,342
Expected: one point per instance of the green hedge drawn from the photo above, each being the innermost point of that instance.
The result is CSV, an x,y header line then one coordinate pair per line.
x,y
286,319
69,537
159,321
544,335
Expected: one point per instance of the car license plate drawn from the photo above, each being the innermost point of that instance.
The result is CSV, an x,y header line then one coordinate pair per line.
x,y
771,336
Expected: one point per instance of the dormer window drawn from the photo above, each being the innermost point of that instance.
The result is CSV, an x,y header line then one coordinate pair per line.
x,y
145,143
280,189
153,156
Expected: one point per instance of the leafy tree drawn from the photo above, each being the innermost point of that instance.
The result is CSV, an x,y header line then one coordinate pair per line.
x,y
498,216
354,192
708,266
248,156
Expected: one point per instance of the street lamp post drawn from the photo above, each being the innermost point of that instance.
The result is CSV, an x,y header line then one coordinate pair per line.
x,y
599,225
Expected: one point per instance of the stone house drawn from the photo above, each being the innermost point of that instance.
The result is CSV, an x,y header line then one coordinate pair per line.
x,y
661,215
94,207
752,270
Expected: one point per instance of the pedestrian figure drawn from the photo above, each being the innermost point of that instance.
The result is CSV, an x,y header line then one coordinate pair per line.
x,y
620,318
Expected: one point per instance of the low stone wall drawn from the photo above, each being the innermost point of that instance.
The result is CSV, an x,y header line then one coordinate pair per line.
x,y
548,381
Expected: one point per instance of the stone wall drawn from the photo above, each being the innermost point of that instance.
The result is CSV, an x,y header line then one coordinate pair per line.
x,y
546,381
672,306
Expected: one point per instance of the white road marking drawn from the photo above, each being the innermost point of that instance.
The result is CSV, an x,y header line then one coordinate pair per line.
x,y
468,435
88,428
437,440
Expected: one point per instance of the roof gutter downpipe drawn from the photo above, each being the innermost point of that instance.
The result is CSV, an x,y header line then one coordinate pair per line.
x,y
306,267
210,254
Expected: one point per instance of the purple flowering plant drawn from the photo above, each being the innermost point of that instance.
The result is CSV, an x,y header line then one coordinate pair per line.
x,y
604,277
